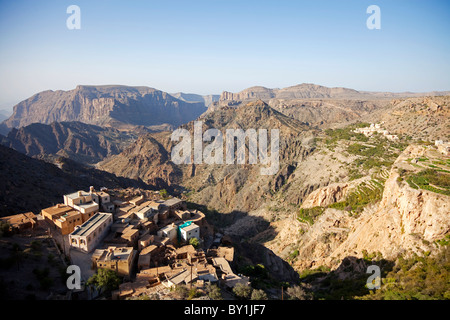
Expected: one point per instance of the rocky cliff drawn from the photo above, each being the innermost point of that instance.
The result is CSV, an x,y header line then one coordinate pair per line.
x,y
118,106
406,220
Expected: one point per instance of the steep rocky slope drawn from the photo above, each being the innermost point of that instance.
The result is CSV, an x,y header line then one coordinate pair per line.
x,y
406,220
78,141
222,186
313,91
117,106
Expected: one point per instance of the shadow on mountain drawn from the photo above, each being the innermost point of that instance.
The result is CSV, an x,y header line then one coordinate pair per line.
x,y
345,282
29,184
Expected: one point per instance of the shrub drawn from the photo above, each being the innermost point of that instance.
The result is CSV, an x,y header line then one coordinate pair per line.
x,y
297,293
194,242
242,291
258,294
214,291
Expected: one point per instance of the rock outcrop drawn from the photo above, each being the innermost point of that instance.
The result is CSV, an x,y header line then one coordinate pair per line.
x,y
325,196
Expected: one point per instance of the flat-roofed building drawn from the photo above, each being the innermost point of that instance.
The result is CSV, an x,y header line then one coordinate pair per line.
x,y
55,211
64,217
169,231
189,232
83,202
77,198
89,234
21,221
175,204
68,221
119,259
137,201
145,256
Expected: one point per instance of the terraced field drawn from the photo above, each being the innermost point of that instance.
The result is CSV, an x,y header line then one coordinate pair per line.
x,y
365,193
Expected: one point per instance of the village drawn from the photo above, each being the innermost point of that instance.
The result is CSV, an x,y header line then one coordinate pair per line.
x,y
153,244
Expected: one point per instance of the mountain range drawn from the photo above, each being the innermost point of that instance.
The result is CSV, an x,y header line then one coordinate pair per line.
x,y
336,195
120,107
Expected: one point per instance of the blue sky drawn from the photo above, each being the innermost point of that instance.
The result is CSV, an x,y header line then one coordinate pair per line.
x,y
209,46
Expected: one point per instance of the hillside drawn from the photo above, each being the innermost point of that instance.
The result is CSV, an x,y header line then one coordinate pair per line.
x,y
114,106
75,140
318,105
228,188
30,184
426,118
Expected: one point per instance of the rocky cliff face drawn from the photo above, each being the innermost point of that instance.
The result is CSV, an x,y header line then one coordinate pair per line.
x,y
191,97
325,196
105,105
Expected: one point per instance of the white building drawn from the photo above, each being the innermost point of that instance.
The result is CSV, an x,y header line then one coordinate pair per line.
x,y
87,236
190,231
169,231
82,202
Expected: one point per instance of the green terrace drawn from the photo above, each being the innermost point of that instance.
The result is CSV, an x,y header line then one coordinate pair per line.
x,y
365,193
429,179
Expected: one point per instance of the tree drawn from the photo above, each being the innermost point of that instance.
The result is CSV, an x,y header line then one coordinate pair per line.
x,y
5,229
213,291
297,293
163,193
242,291
105,279
180,292
258,295
194,242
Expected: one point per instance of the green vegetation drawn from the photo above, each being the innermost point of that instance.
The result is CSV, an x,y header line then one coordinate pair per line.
x,y
444,242
417,278
308,215
258,294
366,193
5,229
42,275
372,156
213,291
431,180
164,194
242,291
105,280
194,242
309,274
346,133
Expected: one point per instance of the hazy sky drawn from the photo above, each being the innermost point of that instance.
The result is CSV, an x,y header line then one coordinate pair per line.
x,y
209,46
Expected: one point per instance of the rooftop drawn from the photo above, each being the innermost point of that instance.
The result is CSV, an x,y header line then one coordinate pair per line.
x,y
87,227
190,227
58,209
172,202
77,194
113,253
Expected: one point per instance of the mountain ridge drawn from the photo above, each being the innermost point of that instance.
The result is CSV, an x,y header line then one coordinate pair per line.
x,y
108,105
